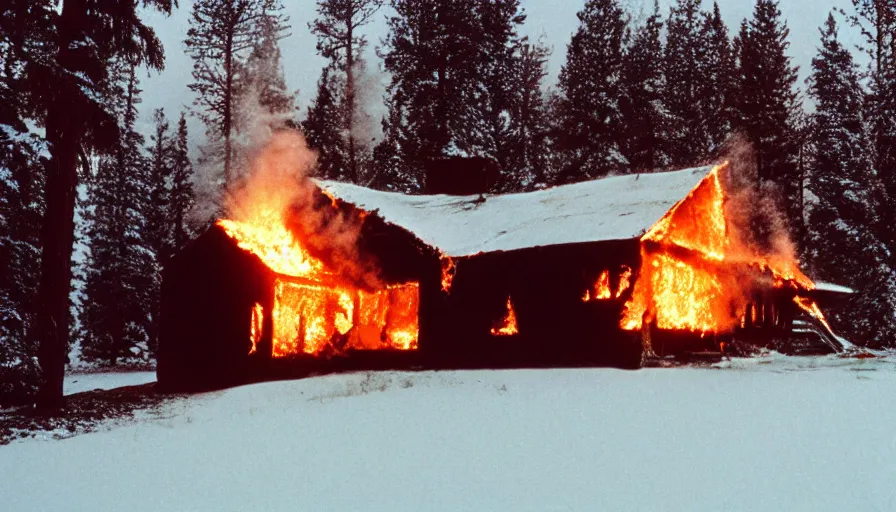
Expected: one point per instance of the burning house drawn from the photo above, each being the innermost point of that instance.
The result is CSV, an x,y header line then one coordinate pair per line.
x,y
594,273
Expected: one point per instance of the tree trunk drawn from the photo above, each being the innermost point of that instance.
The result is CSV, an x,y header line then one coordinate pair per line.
x,y
57,240
227,122
64,131
350,98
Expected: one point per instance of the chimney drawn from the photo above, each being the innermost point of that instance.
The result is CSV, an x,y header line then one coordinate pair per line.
x,y
461,176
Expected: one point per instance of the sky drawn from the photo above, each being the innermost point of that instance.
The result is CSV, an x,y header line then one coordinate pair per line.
x,y
553,20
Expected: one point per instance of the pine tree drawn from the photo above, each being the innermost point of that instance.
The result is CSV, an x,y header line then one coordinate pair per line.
x,y
717,79
390,169
528,164
68,82
876,21
339,40
592,90
24,28
645,145
157,233
116,316
684,65
181,194
221,34
323,128
21,215
843,246
431,55
766,103
263,72
489,127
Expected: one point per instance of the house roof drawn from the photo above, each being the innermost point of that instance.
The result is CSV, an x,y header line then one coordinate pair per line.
x,y
614,208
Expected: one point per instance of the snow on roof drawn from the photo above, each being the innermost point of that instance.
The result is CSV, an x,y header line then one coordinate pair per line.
x,y
614,208
831,287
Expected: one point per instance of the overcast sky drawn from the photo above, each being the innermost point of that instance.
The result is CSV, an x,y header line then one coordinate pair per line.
x,y
555,20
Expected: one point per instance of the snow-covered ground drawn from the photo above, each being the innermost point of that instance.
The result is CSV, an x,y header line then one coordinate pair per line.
x,y
80,382
774,434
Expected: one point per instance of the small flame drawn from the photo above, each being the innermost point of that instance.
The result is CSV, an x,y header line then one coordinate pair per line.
x,y
256,327
602,287
603,290
331,197
812,308
507,327
624,280
449,270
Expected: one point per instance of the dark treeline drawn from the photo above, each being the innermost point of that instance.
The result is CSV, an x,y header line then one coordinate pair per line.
x,y
638,92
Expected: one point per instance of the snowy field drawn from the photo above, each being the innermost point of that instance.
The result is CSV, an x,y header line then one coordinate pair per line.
x,y
775,434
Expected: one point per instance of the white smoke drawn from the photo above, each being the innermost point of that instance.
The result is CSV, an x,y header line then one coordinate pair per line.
x,y
754,209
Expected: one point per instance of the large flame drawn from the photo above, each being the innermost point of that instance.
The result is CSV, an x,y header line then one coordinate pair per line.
x,y
316,307
310,317
696,275
267,237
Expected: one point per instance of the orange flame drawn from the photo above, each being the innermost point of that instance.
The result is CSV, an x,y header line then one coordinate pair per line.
x,y
602,287
267,237
310,317
624,280
449,270
507,327
689,277
315,308
256,327
812,308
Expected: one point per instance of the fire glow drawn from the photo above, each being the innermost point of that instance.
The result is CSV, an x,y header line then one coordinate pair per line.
x,y
696,275
315,309
449,270
310,316
602,289
507,326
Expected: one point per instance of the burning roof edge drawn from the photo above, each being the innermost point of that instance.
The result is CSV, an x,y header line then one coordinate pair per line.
x,y
612,208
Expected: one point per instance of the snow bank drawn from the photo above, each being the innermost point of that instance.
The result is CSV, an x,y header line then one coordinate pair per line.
x,y
615,208
80,382
781,434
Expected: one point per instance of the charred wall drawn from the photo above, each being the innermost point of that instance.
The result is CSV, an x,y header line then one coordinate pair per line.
x,y
210,289
208,292
545,286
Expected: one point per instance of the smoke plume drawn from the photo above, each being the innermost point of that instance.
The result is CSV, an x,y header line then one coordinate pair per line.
x,y
754,211
278,189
